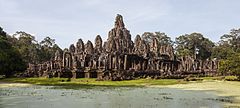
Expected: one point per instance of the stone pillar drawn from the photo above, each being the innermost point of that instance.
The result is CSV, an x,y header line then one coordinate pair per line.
x,y
143,65
110,62
157,65
100,74
125,62
115,62
64,61
173,69
87,73
74,74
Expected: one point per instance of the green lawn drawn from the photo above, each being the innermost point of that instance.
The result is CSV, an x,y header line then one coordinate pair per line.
x,y
92,82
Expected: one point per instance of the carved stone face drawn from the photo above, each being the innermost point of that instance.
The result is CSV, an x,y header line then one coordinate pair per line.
x,y
79,46
72,48
154,45
143,47
57,55
113,46
137,44
98,42
137,40
119,21
89,47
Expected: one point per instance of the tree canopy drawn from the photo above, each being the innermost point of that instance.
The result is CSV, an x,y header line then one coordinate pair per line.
x,y
228,51
10,58
195,45
162,38
16,53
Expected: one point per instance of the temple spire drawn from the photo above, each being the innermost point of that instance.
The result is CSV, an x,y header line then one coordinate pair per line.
x,y
119,21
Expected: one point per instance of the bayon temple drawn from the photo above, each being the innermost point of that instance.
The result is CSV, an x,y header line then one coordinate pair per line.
x,y
120,58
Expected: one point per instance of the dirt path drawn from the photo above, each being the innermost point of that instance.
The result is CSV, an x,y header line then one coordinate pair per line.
x,y
7,84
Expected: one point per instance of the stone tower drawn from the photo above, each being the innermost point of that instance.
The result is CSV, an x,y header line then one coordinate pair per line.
x,y
120,36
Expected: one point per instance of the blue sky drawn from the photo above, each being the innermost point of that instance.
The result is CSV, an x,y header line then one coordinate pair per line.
x,y
68,20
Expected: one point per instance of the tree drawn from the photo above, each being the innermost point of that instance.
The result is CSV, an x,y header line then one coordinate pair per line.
x,y
162,38
2,33
32,51
195,45
222,51
48,48
232,39
231,65
228,45
10,58
27,46
47,42
228,51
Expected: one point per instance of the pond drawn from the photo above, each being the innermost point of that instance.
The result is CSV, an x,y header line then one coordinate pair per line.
x,y
107,97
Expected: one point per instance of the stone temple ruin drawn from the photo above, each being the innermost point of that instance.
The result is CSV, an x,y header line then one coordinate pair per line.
x,y
119,58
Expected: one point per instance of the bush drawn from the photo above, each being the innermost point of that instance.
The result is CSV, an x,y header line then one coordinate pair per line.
x,y
231,65
231,78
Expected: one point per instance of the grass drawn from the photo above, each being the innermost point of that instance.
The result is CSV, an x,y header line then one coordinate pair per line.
x,y
212,78
227,78
90,82
231,78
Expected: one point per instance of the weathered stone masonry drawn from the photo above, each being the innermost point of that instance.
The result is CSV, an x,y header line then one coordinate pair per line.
x,y
120,58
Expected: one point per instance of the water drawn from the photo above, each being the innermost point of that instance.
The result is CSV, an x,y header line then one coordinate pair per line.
x,y
103,97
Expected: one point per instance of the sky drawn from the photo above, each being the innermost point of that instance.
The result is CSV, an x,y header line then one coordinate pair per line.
x,y
68,20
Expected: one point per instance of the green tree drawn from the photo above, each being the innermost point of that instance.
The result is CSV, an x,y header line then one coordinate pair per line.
x,y
222,51
232,39
231,65
160,36
32,51
47,42
228,51
195,45
48,49
27,46
10,59
228,45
